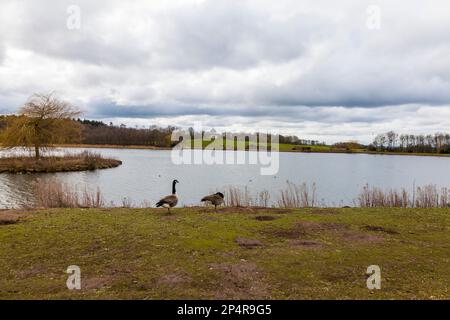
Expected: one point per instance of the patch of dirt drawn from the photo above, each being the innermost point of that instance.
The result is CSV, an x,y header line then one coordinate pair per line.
x,y
107,280
122,271
249,243
240,281
8,217
174,279
307,244
251,210
288,234
309,226
281,211
31,272
240,271
343,230
202,209
345,275
304,228
95,283
265,218
380,229
355,236
169,218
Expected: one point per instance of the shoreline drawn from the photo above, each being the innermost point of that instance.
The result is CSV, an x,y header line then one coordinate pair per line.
x,y
137,147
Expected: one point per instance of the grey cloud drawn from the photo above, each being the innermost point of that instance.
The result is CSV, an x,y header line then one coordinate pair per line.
x,y
285,61
356,68
110,109
43,30
2,52
107,109
220,34
212,34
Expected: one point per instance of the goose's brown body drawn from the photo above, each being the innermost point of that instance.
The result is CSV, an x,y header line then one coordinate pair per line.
x,y
216,199
171,200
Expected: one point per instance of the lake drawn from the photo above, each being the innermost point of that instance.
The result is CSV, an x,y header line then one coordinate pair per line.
x,y
146,175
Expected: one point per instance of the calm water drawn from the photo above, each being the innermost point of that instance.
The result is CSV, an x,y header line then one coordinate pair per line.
x,y
146,175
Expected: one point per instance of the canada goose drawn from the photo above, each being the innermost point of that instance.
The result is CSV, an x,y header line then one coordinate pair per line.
x,y
216,199
169,201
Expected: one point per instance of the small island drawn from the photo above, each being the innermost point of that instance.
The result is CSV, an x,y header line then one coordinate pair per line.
x,y
42,122
73,162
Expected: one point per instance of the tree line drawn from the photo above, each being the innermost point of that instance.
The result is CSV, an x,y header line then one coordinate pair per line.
x,y
297,141
98,132
431,143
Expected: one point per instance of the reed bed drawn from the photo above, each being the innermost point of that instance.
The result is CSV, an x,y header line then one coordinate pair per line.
x,y
53,193
242,197
298,196
238,197
293,196
428,196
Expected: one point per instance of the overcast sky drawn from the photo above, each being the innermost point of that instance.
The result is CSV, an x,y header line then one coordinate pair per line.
x,y
327,70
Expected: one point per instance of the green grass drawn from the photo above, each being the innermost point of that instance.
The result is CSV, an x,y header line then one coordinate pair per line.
x,y
283,147
193,254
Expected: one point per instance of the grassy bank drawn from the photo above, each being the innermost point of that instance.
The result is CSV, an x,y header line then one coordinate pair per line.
x,y
235,253
109,146
70,162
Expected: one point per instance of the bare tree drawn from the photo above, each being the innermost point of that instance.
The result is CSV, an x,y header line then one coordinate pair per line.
x,y
44,120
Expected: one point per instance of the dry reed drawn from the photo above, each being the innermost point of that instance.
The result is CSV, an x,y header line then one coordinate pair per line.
x,y
55,194
428,196
298,196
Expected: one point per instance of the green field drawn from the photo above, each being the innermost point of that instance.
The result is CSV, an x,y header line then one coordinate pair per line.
x,y
236,253
283,147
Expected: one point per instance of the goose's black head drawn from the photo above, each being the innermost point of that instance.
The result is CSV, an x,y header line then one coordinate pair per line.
x,y
220,194
176,181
